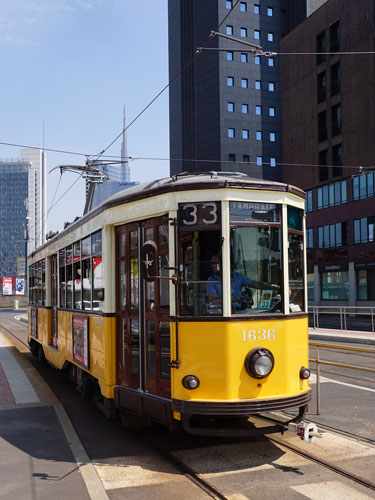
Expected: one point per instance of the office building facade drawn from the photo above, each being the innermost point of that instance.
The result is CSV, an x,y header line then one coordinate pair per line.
x,y
328,134
225,111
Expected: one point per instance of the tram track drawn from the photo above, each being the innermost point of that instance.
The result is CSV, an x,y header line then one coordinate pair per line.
x,y
9,332
334,468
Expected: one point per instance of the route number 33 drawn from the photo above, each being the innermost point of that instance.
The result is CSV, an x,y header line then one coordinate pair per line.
x,y
253,335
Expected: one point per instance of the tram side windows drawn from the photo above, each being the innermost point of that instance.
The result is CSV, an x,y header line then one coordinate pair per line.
x,y
62,278
37,283
77,281
256,258
86,273
295,260
69,277
199,242
97,271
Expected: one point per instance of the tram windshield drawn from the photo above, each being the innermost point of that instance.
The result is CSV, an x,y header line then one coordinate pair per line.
x,y
256,270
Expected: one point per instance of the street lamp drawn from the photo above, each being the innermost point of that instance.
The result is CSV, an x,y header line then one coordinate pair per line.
x,y
26,236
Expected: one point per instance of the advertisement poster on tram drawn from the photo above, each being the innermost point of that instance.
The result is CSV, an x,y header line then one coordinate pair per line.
x,y
81,340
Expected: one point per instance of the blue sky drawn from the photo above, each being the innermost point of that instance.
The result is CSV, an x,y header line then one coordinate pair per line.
x,y
73,64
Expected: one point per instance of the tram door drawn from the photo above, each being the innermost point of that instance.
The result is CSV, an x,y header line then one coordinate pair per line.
x,y
54,330
143,321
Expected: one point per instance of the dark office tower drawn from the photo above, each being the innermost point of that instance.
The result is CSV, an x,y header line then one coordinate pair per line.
x,y
225,105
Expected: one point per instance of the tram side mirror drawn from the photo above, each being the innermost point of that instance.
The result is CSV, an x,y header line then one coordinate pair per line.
x,y
149,260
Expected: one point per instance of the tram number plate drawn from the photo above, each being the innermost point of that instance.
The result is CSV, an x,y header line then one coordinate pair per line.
x,y
253,335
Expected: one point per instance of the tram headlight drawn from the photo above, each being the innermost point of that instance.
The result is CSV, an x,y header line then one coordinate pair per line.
x,y
190,382
304,373
259,362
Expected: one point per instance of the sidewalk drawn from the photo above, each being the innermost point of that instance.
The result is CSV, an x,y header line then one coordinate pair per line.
x,y
342,336
40,453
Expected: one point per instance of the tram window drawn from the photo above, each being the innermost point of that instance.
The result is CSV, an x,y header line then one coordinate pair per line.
x,y
86,283
77,276
134,333
150,296
196,274
69,286
256,269
165,350
296,284
96,243
122,280
163,268
151,370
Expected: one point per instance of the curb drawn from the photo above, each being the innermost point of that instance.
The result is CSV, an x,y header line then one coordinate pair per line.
x,y
341,339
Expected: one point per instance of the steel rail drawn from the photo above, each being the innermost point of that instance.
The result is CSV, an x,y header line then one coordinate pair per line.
x,y
186,470
324,463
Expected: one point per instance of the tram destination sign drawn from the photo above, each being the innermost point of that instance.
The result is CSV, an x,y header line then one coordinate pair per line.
x,y
199,216
241,211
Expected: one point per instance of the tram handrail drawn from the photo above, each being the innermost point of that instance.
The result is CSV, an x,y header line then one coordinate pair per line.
x,y
319,362
343,312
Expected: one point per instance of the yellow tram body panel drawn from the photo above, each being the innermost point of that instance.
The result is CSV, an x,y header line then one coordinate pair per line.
x,y
215,353
102,353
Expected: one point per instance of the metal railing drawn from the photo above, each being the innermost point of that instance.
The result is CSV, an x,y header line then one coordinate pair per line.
x,y
343,312
319,362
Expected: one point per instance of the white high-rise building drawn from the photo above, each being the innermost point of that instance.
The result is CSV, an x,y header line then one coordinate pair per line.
x,y
37,196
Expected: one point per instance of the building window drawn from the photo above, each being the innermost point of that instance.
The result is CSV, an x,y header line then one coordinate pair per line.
x,y
258,110
334,37
231,133
229,30
272,136
230,107
364,230
270,11
271,111
256,34
258,85
246,158
272,162
271,86
336,119
332,194
258,135
244,83
322,86
231,157
245,109
229,56
271,62
335,79
337,160
259,161
243,32
229,4
309,238
244,57
245,134
365,284
308,202
256,9
363,186
322,126
320,47
257,59
230,81
270,37
335,285
333,235
243,6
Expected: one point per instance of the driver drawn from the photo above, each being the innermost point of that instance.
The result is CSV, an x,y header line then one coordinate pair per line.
x,y
238,281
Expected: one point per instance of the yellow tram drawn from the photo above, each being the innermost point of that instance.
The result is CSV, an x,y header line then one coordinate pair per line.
x,y
182,300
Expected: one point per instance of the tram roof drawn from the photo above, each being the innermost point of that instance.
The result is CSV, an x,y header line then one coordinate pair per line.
x,y
185,181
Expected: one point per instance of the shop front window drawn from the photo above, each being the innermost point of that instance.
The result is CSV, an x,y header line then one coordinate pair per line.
x,y
335,285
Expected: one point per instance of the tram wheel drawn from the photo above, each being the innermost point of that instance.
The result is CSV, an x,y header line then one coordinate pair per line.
x,y
41,356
